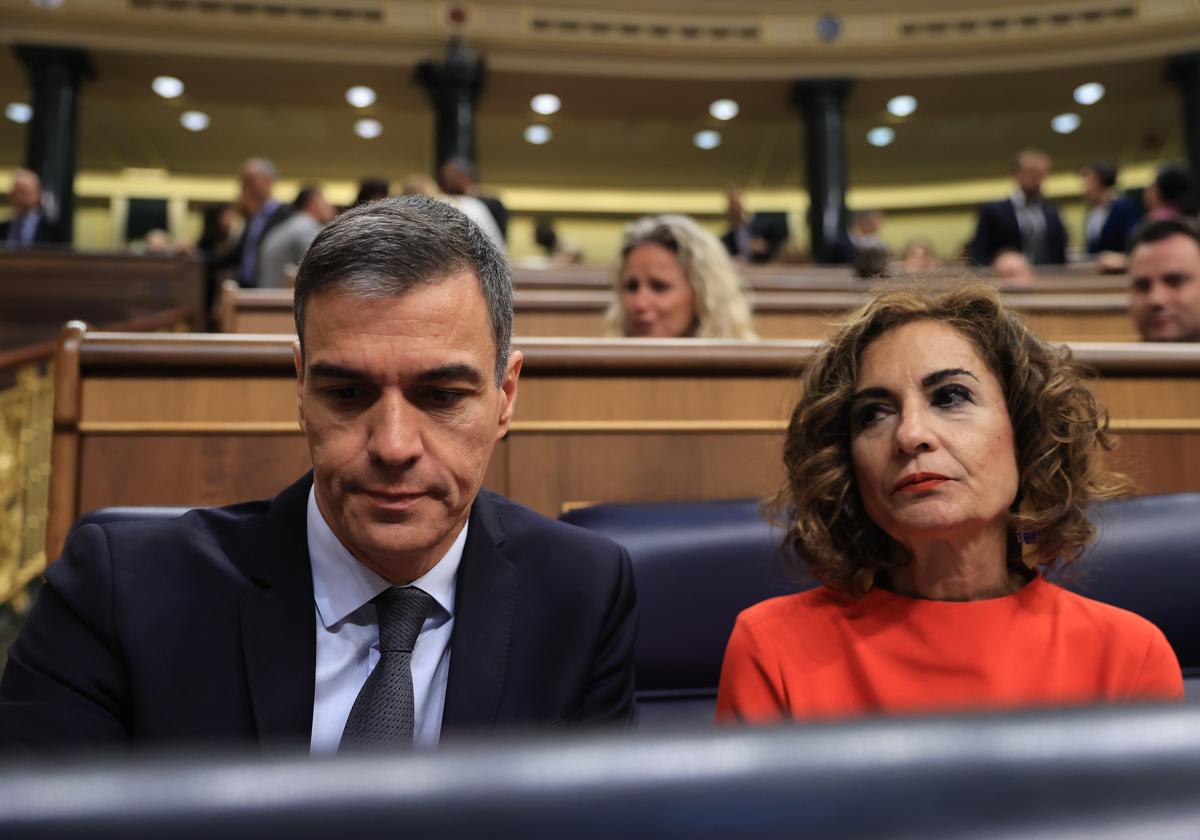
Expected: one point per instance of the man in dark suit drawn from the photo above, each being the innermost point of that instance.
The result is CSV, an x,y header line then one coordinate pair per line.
x,y
29,225
752,239
1110,217
383,600
1025,221
262,214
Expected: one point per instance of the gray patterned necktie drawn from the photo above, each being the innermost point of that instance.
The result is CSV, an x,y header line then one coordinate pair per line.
x,y
382,715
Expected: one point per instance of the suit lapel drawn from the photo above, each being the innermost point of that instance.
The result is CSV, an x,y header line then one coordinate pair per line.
x,y
483,613
278,621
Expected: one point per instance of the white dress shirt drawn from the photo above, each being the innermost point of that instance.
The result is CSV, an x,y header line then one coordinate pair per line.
x,y
348,635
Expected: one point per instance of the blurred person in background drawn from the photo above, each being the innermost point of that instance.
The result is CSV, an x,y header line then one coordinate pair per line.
x,y
29,224
1025,221
284,246
457,177
1167,195
676,281
469,206
1164,288
1012,270
941,458
557,250
918,257
750,238
262,213
1110,217
371,189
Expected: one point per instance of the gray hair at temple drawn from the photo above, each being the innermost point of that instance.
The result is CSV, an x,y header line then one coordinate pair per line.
x,y
384,248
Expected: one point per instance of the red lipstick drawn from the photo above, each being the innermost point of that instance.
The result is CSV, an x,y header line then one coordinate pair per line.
x,y
918,481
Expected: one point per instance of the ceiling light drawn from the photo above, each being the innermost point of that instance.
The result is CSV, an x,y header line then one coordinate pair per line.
x,y
708,139
368,129
545,104
902,106
360,96
881,136
18,112
1089,94
724,109
538,134
168,87
194,120
1065,123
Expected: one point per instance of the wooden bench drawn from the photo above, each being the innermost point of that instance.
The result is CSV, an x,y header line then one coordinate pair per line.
x,y
42,290
782,315
211,419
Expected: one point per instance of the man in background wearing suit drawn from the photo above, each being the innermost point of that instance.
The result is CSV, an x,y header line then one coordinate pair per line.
x,y
1025,221
262,214
383,600
1110,217
28,225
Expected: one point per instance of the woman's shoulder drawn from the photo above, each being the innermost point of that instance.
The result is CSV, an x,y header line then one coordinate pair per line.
x,y
1098,615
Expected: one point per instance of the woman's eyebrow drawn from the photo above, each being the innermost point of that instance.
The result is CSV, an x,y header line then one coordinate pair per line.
x,y
940,375
876,391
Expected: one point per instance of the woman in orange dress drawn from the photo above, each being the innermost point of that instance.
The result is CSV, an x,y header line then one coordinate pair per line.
x,y
940,459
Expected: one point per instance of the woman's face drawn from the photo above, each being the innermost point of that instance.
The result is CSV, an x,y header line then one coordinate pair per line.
x,y
931,440
656,295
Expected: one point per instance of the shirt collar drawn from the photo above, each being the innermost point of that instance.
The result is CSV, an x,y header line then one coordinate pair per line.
x,y
1019,201
341,584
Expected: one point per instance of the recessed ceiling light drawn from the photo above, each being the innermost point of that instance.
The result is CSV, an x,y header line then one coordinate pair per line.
x,y
881,136
360,96
1089,94
902,106
724,109
707,139
545,104
18,112
47,4
368,129
194,120
168,87
1065,123
538,134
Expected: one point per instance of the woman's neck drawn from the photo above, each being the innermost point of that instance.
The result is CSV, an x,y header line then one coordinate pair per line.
x,y
970,569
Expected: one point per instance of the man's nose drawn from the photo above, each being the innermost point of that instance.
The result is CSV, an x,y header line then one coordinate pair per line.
x,y
394,436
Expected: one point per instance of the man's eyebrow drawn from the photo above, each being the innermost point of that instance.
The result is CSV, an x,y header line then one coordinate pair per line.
x,y
940,375
462,372
332,371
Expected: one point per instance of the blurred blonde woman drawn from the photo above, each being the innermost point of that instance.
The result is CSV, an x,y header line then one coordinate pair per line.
x,y
676,281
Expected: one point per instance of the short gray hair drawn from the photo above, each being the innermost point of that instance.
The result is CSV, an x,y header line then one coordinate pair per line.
x,y
384,248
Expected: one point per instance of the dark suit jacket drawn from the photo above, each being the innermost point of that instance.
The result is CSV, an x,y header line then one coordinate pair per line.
x,y
45,233
499,212
765,227
202,630
1122,218
233,257
998,230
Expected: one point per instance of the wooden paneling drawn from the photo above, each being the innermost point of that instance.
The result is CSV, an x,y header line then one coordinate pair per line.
x,y
181,419
794,314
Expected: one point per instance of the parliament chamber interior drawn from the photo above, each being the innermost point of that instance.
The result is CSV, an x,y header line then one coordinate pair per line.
x,y
852,483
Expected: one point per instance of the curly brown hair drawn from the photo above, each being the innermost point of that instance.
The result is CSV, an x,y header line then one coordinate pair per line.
x,y
1059,431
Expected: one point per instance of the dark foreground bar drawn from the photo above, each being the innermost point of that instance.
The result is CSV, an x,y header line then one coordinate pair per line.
x,y
1097,773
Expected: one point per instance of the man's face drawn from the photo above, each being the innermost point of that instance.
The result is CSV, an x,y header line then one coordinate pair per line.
x,y
1031,172
1164,293
321,209
26,192
1093,190
255,189
399,402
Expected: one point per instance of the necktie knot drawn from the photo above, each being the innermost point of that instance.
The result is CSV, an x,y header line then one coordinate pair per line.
x,y
402,611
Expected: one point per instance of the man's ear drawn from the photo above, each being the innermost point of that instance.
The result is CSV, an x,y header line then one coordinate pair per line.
x,y
298,360
508,391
